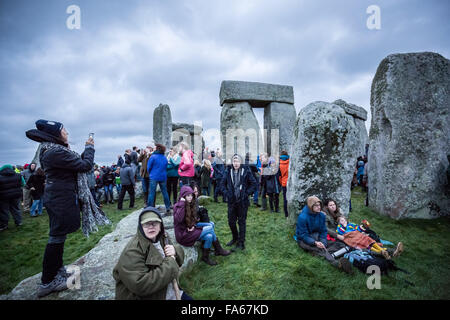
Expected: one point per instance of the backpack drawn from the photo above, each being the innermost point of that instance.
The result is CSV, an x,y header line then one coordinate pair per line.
x,y
203,214
363,259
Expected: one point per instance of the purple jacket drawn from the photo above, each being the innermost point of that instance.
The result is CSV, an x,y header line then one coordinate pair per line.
x,y
182,235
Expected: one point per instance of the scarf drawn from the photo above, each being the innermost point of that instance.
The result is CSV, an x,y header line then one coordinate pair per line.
x,y
92,215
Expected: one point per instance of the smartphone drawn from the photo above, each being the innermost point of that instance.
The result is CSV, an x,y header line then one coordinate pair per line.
x,y
91,135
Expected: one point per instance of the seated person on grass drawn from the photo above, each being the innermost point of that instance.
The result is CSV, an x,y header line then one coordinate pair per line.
x,y
311,234
354,236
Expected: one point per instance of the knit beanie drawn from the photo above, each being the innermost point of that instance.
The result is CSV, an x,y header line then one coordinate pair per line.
x,y
52,127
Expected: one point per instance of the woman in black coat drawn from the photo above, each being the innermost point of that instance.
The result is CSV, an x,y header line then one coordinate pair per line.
x,y
61,166
36,185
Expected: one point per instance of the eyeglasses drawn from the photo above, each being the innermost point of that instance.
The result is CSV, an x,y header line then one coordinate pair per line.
x,y
150,224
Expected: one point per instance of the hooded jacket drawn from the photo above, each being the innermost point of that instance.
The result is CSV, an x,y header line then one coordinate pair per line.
x,y
109,178
284,170
309,223
186,168
141,272
126,175
61,168
172,166
184,237
10,183
37,182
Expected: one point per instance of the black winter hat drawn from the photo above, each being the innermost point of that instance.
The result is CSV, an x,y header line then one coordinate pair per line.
x,y
52,127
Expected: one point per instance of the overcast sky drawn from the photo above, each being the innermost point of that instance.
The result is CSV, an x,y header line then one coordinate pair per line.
x,y
129,56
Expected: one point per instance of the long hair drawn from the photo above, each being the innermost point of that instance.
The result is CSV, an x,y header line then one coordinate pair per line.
x,y
335,215
191,212
207,164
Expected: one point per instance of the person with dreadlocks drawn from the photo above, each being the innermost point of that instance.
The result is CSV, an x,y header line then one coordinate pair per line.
x,y
66,190
189,229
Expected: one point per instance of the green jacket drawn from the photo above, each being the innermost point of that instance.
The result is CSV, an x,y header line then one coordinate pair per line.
x,y
142,273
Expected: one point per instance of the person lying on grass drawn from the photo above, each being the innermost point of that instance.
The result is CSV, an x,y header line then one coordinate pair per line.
x,y
311,235
353,235
189,229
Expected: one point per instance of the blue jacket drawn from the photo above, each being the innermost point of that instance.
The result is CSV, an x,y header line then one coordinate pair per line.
x,y
309,223
172,167
157,167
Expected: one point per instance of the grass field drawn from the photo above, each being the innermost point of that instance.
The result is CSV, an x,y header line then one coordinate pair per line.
x,y
272,266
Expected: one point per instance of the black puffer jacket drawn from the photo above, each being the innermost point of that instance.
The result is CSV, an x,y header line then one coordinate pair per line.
x,y
61,168
10,183
37,182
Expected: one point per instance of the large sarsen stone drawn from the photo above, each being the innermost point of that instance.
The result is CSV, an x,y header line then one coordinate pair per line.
x,y
410,136
322,161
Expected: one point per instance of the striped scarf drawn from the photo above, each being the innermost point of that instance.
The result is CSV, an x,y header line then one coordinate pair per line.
x,y
92,215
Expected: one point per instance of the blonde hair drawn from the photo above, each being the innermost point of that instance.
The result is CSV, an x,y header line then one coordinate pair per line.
x,y
197,162
207,163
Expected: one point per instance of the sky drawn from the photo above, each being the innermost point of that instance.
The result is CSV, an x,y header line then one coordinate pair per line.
x,y
127,57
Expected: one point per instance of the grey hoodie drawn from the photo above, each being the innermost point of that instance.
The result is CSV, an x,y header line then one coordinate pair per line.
x,y
127,175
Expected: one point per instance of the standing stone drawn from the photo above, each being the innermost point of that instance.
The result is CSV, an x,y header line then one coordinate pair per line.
x,y
239,130
279,116
256,93
322,160
359,115
189,133
36,157
410,136
162,125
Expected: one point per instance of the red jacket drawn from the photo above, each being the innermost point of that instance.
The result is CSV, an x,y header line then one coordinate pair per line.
x,y
284,169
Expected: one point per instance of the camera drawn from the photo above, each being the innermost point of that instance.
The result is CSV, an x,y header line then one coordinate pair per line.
x,y
91,135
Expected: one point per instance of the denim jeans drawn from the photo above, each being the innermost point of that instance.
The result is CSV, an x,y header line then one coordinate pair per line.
x,y
118,188
152,193
36,206
145,184
208,234
108,191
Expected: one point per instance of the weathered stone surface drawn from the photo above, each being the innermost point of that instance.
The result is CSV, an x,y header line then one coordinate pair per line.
x,y
256,93
162,125
96,281
189,133
410,136
323,157
239,130
279,116
36,157
359,117
352,109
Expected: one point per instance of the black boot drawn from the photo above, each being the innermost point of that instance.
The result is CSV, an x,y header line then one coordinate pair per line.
x,y
264,204
233,241
240,245
219,250
146,198
205,257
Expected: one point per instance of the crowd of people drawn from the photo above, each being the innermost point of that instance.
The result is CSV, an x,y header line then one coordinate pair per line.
x,y
148,266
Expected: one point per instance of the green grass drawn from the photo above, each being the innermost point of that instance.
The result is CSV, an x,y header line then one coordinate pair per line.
x,y
22,248
272,266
